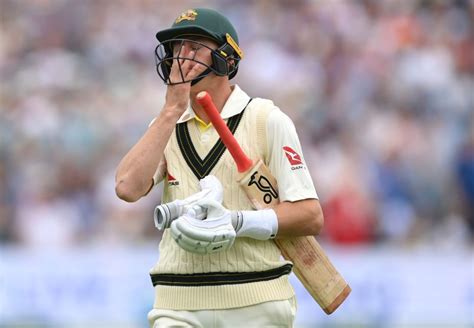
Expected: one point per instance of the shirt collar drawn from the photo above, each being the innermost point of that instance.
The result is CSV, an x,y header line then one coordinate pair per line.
x,y
235,104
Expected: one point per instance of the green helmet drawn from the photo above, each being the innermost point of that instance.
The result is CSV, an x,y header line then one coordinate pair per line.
x,y
201,22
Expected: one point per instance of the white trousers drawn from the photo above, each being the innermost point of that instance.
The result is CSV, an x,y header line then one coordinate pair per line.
x,y
268,314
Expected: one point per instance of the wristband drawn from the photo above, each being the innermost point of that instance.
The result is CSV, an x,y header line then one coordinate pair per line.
x,y
261,225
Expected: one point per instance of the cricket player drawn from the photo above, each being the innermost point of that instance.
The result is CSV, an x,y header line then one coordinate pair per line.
x,y
237,278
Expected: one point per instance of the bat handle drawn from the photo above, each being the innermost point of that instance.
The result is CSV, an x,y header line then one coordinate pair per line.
x,y
242,161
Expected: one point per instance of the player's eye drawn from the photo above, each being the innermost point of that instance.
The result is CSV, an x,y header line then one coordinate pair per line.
x,y
195,47
176,46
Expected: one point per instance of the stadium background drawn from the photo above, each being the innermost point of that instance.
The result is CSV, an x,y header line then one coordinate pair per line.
x,y
381,92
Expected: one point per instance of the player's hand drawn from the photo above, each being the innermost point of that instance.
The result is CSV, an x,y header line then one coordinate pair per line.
x,y
212,183
177,95
213,234
164,214
211,188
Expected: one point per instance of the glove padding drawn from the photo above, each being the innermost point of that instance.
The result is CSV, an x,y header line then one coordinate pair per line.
x,y
213,184
213,234
164,214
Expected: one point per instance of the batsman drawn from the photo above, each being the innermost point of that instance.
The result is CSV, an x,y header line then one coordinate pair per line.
x,y
219,265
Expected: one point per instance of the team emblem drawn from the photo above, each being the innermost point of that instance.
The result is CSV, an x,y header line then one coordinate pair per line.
x,y
189,14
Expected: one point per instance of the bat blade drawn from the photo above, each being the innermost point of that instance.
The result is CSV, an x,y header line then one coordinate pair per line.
x,y
260,186
310,263
315,271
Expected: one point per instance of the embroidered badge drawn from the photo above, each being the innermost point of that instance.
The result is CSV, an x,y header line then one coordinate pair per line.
x,y
189,14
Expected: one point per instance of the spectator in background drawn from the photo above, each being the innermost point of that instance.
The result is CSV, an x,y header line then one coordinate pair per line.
x,y
465,175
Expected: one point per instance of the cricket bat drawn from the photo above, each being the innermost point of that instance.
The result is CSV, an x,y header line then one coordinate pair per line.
x,y
310,263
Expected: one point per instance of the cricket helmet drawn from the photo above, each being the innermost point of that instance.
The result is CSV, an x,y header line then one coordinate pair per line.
x,y
199,22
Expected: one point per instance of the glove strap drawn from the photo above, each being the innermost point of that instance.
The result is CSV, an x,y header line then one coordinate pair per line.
x,y
261,225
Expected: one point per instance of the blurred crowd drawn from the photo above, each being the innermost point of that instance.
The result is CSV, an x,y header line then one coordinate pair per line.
x,y
381,92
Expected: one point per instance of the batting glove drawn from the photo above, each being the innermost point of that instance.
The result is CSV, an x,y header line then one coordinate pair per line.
x,y
261,224
213,234
164,214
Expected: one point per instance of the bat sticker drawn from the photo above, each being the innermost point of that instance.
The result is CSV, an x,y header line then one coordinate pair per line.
x,y
264,185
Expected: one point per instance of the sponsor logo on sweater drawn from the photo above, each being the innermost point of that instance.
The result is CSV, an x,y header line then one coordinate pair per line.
x,y
294,158
172,180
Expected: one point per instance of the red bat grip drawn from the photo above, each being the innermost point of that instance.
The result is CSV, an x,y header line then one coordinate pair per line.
x,y
243,162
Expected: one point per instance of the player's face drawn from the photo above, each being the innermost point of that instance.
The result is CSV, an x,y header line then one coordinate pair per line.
x,y
185,58
197,49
